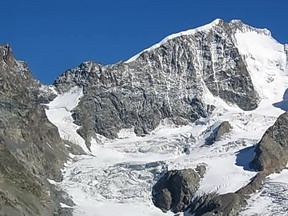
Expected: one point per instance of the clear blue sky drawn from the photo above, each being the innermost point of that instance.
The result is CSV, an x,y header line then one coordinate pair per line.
x,y
54,35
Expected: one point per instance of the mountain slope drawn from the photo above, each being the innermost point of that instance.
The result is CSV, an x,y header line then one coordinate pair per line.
x,y
31,149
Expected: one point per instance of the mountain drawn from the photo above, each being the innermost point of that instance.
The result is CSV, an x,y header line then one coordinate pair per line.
x,y
197,102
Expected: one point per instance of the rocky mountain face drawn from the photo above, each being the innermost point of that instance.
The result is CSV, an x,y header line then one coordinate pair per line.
x,y
31,150
168,81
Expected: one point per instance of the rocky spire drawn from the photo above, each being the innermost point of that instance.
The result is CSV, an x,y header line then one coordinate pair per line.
x,y
6,56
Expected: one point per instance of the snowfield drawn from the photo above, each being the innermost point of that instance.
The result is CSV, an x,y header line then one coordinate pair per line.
x,y
117,177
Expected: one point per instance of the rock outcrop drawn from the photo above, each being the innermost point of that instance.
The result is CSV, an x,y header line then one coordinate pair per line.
x,y
174,191
201,170
218,132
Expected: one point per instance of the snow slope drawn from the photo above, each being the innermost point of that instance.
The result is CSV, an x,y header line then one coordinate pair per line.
x,y
121,172
117,178
266,61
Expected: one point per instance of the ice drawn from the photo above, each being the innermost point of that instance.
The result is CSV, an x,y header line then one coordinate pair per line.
x,y
51,181
63,205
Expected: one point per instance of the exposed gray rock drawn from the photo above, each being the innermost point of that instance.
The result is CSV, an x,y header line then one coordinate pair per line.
x,y
272,150
213,204
168,81
218,132
31,149
201,170
174,191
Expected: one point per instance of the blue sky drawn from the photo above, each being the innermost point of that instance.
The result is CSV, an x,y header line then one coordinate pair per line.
x,y
54,35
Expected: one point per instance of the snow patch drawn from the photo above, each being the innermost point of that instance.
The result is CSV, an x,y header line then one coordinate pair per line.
x,y
125,133
63,205
52,181
59,113
122,171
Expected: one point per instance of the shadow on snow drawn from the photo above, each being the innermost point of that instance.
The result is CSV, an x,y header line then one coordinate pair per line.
x,y
284,103
244,157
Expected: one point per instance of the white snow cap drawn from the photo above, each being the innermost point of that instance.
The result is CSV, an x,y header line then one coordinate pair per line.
x,y
206,27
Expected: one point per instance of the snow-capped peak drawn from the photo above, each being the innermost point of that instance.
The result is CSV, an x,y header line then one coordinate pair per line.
x,y
206,27
235,24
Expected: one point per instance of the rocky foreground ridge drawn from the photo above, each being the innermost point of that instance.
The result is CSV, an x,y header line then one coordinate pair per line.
x,y
174,80
31,150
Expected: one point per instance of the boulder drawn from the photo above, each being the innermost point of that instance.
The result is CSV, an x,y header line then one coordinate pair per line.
x,y
174,191
201,170
219,132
